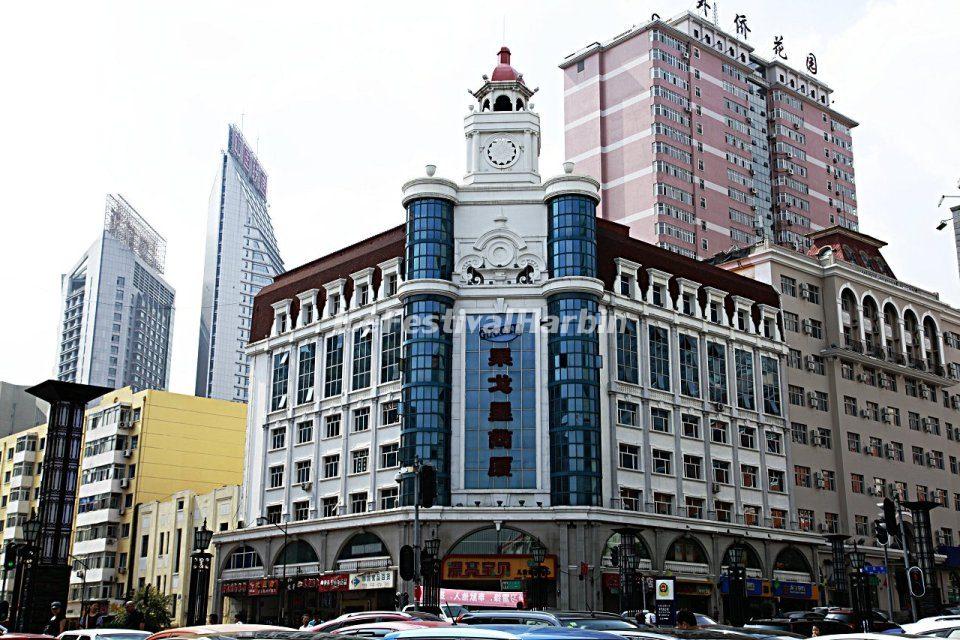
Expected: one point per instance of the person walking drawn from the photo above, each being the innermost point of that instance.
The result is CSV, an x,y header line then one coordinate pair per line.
x,y
134,619
58,621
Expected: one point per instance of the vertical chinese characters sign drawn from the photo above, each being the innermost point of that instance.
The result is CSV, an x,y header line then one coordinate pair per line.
x,y
500,401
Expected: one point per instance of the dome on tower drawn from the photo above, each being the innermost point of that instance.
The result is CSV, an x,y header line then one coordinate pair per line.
x,y
503,71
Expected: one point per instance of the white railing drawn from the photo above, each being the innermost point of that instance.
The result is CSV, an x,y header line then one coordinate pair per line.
x,y
687,568
791,576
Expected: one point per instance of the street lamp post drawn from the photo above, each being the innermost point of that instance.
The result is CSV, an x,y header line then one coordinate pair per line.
x,y
82,574
284,529
200,561
539,553
736,584
858,587
23,585
431,572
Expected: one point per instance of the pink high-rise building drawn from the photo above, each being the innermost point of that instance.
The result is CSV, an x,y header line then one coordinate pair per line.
x,y
701,145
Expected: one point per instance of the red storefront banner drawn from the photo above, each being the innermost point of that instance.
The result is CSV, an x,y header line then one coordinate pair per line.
x,y
504,599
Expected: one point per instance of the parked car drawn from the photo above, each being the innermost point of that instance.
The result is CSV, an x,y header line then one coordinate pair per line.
x,y
448,612
226,630
934,623
878,621
369,617
758,634
502,632
594,620
802,627
865,636
13,635
382,629
104,634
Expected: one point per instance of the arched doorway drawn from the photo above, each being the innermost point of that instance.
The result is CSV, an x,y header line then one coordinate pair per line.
x,y
500,559
792,586
611,561
295,561
241,570
365,559
687,559
754,569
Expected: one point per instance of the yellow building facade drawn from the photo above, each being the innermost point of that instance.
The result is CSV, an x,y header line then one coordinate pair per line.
x,y
21,455
142,448
165,529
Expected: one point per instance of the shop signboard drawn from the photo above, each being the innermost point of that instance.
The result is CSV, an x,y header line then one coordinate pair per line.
x,y
501,599
467,567
371,580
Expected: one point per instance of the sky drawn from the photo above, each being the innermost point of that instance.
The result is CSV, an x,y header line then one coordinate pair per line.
x,y
346,101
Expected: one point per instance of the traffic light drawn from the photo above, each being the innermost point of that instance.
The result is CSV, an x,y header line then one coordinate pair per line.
x,y
890,515
10,557
407,570
880,532
428,486
915,582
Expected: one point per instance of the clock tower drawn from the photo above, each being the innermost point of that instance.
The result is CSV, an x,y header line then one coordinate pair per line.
x,y
502,131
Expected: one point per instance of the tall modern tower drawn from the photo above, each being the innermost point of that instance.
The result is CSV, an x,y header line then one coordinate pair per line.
x,y
116,318
702,145
241,258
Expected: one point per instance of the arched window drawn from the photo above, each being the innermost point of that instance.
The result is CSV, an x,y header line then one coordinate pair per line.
x,y
297,552
490,541
639,545
519,104
751,560
687,549
503,103
363,545
791,559
486,105
244,558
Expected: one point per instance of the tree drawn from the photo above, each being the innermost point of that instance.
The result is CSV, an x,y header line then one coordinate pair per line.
x,y
154,606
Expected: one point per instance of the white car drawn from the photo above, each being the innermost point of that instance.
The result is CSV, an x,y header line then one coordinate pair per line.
x,y
857,635
104,634
934,623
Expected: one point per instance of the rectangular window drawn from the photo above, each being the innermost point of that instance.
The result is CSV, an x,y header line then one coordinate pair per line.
x,y
778,518
748,437
692,467
276,476
694,507
390,456
721,471
305,432
278,437
362,356
358,502
775,481
660,420
659,358
749,476
390,412
719,432
281,372
717,372
856,483
788,286
333,367
332,426
358,460
361,419
629,457
389,497
390,347
301,510
663,503
745,392
627,359
690,426
627,413
662,462
331,466
302,471
328,507
631,499
770,373
306,369
723,510
774,442
689,366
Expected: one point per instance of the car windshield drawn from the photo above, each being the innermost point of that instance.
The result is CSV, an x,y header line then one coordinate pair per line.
x,y
597,624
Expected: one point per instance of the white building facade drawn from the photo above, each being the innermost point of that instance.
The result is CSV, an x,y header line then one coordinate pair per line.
x,y
666,417
241,257
116,309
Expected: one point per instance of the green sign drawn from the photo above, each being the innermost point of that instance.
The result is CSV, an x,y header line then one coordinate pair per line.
x,y
511,585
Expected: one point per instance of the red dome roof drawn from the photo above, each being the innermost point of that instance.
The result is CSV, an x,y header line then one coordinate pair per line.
x,y
503,71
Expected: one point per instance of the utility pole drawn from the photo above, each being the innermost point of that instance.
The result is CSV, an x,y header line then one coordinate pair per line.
x,y
906,556
417,576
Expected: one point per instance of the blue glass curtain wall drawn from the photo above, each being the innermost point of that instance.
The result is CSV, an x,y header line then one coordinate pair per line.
x,y
429,252
572,237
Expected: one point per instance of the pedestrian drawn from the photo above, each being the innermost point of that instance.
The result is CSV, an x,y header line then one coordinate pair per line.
x,y
213,619
686,620
134,619
304,622
814,631
650,618
240,618
58,621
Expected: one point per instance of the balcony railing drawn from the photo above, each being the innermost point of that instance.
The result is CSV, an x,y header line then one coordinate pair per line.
x,y
687,568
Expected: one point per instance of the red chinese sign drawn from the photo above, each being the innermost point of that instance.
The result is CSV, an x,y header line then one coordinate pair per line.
x,y
466,567
500,411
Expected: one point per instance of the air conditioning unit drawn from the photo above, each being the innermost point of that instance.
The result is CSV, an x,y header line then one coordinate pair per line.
x,y
818,480
111,541
811,363
888,452
885,416
867,451
864,413
861,378
807,327
127,453
796,126
122,510
929,459
811,398
685,55
815,441
714,487
718,406
124,483
306,486
121,570
872,491
789,172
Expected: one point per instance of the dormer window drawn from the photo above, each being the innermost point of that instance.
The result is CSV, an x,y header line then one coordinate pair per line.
x,y
742,320
625,284
390,284
689,304
716,312
307,311
281,322
333,306
363,295
657,290
769,330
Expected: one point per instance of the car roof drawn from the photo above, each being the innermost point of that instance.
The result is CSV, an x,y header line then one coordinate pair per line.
x,y
216,629
398,625
109,632
502,632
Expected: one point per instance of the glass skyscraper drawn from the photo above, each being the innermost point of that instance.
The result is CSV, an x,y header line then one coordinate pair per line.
x,y
241,258
116,308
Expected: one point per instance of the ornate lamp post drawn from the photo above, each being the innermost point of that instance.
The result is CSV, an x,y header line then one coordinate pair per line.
x,y
23,584
858,587
736,584
200,561
431,572
538,572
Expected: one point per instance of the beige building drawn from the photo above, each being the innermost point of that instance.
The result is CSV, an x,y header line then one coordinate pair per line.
x,y
165,533
872,396
20,457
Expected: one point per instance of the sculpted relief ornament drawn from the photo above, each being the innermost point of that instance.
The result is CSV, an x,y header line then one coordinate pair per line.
x,y
499,257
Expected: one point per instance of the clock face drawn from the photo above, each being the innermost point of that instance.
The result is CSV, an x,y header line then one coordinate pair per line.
x,y
502,152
